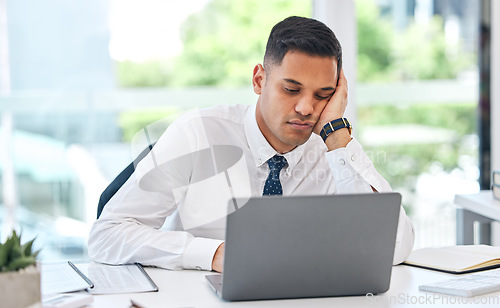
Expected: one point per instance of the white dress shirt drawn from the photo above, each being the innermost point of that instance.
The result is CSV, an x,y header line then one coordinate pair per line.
x,y
171,211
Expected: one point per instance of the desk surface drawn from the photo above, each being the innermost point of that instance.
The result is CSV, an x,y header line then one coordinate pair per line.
x,y
190,289
481,203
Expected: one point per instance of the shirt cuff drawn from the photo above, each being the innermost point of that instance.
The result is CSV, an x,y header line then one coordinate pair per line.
x,y
200,253
343,161
351,164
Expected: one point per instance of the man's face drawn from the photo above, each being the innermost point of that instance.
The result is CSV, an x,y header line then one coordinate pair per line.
x,y
292,97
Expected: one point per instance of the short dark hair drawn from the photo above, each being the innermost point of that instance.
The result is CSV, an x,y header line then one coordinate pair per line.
x,y
302,34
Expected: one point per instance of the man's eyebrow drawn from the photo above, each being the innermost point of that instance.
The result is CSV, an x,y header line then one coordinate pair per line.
x,y
292,81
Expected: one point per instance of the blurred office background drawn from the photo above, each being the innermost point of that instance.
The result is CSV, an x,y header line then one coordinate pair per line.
x,y
79,79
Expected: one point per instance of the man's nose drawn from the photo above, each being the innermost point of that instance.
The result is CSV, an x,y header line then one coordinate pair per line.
x,y
305,105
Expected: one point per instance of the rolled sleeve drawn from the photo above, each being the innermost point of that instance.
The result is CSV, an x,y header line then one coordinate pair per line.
x,y
200,253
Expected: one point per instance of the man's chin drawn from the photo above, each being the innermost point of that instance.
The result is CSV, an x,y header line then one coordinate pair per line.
x,y
299,140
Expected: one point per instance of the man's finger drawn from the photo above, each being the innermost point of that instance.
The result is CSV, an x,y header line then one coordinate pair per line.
x,y
342,80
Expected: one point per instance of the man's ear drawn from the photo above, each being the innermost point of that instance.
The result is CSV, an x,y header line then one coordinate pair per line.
x,y
259,78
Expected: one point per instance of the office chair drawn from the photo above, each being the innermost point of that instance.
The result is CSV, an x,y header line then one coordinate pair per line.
x,y
118,182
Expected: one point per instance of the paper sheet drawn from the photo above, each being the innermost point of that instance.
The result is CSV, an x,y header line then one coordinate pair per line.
x,y
112,279
61,278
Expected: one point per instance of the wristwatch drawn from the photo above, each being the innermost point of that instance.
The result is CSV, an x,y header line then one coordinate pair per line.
x,y
334,125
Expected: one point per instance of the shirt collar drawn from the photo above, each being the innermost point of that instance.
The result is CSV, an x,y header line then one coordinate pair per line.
x,y
261,149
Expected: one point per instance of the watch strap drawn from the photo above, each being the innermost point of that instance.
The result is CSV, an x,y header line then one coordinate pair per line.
x,y
334,125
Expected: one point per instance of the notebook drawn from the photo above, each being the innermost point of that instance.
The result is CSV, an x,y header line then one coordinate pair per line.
x,y
309,246
460,259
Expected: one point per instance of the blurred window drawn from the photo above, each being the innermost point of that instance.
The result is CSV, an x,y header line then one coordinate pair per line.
x,y
80,80
417,96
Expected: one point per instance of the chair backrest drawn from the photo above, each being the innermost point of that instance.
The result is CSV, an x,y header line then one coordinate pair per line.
x,y
118,182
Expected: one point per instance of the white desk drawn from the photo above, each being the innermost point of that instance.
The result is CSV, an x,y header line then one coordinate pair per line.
x,y
190,289
480,207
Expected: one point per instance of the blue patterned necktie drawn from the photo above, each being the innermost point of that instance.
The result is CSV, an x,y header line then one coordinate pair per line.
x,y
273,184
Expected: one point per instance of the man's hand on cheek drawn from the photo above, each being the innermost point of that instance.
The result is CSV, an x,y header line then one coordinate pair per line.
x,y
336,106
334,110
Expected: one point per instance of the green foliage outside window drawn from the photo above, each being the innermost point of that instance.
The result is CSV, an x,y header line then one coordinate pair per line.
x,y
419,52
375,39
224,41
401,164
222,44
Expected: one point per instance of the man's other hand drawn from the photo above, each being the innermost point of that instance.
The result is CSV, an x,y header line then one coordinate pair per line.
x,y
333,110
218,260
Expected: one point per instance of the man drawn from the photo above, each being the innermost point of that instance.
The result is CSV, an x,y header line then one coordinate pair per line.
x,y
171,213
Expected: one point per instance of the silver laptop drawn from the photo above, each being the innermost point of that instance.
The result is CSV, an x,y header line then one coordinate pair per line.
x,y
309,246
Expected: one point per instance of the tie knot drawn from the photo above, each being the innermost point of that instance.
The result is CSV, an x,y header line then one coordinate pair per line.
x,y
276,163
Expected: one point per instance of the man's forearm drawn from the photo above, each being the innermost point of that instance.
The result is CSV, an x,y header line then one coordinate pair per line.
x,y
338,139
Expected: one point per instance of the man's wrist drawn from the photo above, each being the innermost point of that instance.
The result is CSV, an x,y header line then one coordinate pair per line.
x,y
338,139
334,125
199,253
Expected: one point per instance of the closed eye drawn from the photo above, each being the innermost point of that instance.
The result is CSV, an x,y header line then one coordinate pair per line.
x,y
291,90
324,97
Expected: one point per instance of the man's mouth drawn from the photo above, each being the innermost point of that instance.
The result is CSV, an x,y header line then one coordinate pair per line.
x,y
301,125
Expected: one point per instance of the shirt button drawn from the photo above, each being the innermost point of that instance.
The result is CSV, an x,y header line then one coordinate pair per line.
x,y
353,158
198,268
342,162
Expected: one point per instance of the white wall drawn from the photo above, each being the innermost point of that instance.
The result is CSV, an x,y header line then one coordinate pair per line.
x,y
340,16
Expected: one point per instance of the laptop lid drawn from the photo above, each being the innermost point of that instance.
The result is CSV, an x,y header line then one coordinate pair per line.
x,y
310,246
